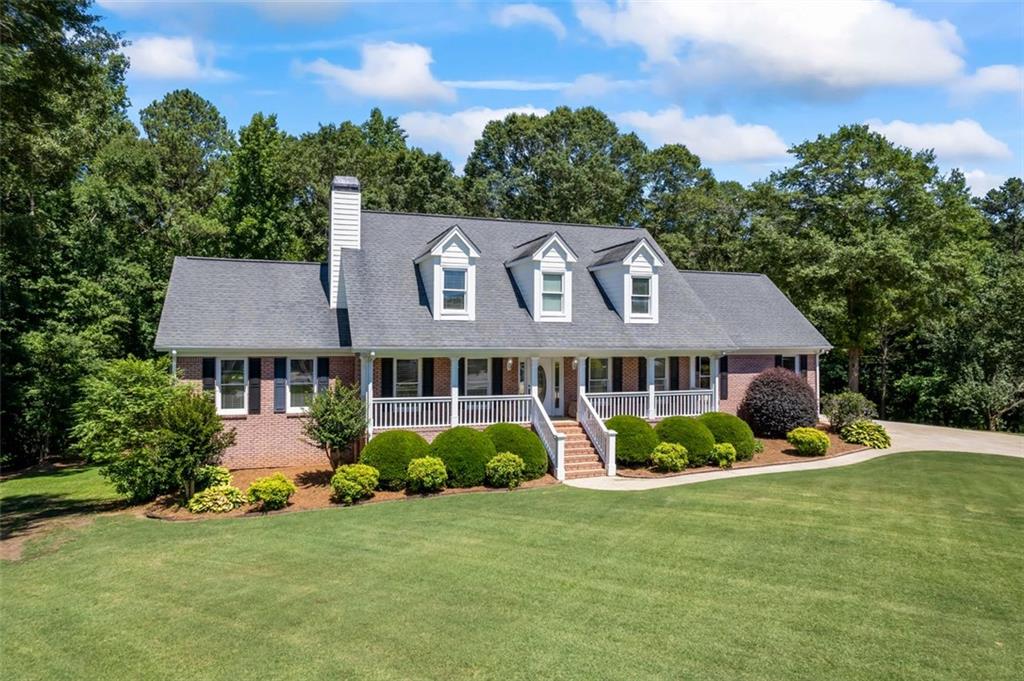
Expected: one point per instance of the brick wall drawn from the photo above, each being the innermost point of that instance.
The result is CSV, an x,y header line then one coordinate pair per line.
x,y
630,374
811,372
571,382
442,377
268,440
684,373
509,376
743,369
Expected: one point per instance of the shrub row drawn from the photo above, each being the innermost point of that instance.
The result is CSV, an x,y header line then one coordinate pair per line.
x,y
637,444
219,496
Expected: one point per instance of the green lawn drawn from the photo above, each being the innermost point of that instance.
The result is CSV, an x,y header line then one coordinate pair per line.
x,y
905,567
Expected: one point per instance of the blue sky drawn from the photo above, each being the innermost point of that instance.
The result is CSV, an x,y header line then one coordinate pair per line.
x,y
736,82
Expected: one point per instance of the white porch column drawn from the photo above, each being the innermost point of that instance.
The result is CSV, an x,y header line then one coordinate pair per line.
x,y
581,386
651,411
174,363
534,371
366,378
454,382
714,381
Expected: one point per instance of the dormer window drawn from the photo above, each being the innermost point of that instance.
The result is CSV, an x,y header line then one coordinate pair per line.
x,y
628,273
553,295
447,270
542,268
640,300
454,292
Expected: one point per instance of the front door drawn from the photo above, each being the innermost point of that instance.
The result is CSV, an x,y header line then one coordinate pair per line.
x,y
550,388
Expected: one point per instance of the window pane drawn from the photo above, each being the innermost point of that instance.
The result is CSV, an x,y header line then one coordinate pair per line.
x,y
407,371
232,371
704,373
477,380
552,283
597,377
301,395
789,362
232,397
641,286
641,305
455,279
454,301
660,373
552,302
301,371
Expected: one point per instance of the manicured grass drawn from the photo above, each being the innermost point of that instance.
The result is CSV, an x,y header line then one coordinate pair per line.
x,y
30,498
908,566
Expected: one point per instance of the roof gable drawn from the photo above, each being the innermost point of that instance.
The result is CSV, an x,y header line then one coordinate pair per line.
x,y
536,249
439,244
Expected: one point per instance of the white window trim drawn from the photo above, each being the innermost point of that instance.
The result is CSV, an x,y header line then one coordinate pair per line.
x,y
668,372
454,312
419,375
561,311
487,364
650,296
245,387
608,379
796,363
695,374
289,409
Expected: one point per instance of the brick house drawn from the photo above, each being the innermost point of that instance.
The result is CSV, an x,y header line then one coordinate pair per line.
x,y
447,321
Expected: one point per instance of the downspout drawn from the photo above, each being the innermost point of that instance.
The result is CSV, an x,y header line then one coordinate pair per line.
x,y
817,381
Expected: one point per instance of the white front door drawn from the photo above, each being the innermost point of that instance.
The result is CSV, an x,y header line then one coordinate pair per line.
x,y
550,385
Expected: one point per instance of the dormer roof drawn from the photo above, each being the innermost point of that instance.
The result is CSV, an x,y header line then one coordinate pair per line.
x,y
534,249
623,254
436,245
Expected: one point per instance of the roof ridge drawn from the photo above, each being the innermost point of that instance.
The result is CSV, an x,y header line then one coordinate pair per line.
x,y
497,219
745,274
261,260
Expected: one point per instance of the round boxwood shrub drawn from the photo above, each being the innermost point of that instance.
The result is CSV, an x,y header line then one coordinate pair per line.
x,y
808,441
777,401
635,440
691,434
724,454
734,430
426,475
669,457
390,453
354,482
524,443
465,453
505,470
271,492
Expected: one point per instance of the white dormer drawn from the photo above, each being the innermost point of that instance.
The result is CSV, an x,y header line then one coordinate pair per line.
x,y
448,271
628,273
543,272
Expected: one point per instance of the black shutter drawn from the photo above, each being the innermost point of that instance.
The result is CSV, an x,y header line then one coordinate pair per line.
x,y
497,365
642,373
462,375
428,376
778,360
617,374
723,378
387,377
804,364
209,373
673,373
323,373
280,381
255,376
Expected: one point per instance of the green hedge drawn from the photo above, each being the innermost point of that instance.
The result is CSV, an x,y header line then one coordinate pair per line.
x,y
524,443
732,429
690,433
635,440
465,453
390,453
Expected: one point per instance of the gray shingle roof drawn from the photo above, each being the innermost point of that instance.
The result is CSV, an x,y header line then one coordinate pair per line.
x,y
615,253
249,304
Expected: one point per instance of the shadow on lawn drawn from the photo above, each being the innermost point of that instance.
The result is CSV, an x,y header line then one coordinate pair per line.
x,y
22,514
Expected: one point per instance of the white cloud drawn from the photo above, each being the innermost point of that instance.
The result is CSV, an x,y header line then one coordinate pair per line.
x,y
456,131
528,13
713,138
587,85
388,71
161,57
962,139
988,79
831,45
981,182
596,85
513,85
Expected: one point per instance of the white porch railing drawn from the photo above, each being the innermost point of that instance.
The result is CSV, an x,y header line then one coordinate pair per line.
x,y
483,411
653,404
602,438
389,413
554,442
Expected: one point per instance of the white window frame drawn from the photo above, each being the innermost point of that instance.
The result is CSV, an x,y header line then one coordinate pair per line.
x,y
695,374
288,384
796,363
667,378
464,290
560,293
607,379
245,386
419,377
487,373
649,296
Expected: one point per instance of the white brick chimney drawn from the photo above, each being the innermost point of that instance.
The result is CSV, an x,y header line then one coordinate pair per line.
x,y
344,232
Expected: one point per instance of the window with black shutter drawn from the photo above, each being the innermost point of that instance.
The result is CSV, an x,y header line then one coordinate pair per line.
x,y
673,373
280,385
428,376
209,373
387,377
255,376
616,374
642,373
723,378
323,373
497,367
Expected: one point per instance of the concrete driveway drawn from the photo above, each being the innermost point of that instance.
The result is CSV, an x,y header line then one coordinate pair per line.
x,y
906,437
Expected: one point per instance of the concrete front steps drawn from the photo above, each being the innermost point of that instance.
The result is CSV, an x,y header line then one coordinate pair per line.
x,y
581,459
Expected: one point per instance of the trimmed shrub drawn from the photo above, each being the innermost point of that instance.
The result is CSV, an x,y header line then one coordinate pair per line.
x,y
354,482
635,440
808,441
691,434
216,499
724,454
271,492
212,476
426,475
465,453
844,408
866,433
734,430
390,453
505,470
669,457
778,401
523,442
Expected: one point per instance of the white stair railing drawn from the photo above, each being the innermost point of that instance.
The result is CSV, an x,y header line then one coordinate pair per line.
x,y
554,442
602,438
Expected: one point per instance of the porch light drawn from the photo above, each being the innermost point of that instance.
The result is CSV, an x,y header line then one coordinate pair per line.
x,y
575,362
508,364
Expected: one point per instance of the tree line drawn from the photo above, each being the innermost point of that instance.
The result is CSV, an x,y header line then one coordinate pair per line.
x,y
918,285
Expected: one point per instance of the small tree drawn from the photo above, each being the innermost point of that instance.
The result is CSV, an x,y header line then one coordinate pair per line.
x,y
335,420
192,436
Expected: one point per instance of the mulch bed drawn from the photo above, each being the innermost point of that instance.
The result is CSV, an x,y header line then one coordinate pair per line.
x,y
775,452
314,491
